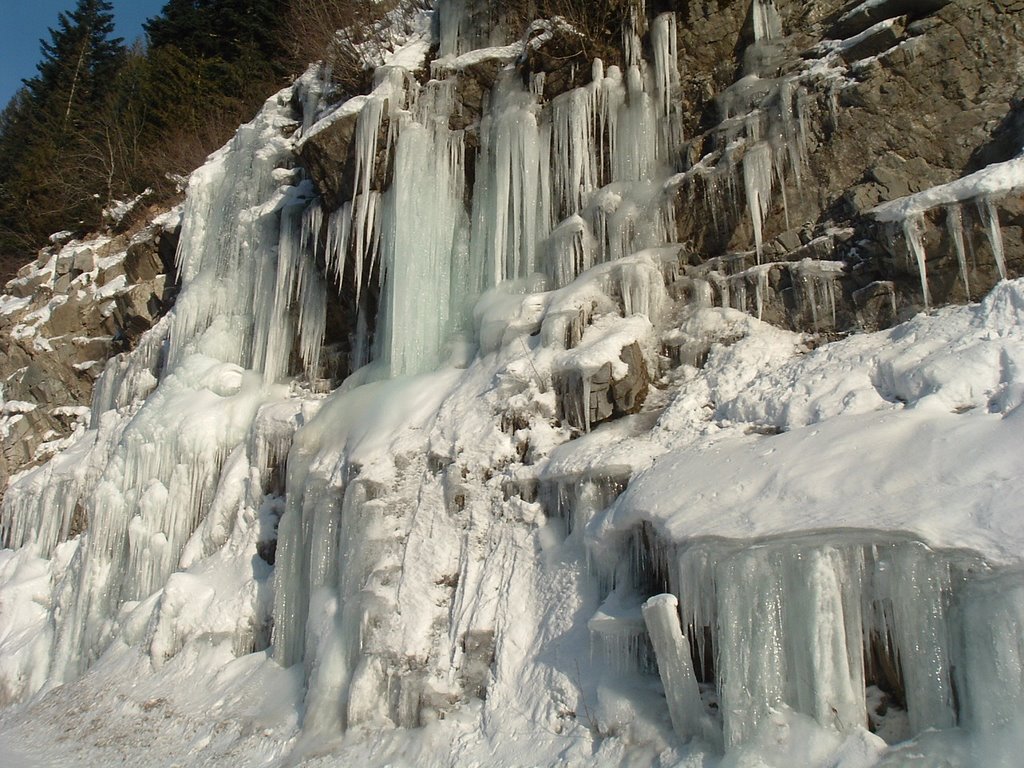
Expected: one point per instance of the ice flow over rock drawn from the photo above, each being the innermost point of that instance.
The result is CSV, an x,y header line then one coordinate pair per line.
x,y
441,540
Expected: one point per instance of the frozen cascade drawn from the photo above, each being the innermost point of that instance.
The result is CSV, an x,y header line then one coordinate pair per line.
x,y
426,263
512,197
804,623
167,417
405,526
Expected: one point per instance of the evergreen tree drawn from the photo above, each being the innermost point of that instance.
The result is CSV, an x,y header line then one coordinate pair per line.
x,y
50,178
79,63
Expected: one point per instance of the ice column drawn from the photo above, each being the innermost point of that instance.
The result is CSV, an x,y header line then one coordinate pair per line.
x,y
918,585
666,59
674,664
993,674
753,674
427,285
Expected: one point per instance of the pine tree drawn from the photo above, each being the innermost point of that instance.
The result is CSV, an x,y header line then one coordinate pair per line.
x,y
50,176
80,62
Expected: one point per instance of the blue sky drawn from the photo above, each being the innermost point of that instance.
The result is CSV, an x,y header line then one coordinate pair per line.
x,y
24,22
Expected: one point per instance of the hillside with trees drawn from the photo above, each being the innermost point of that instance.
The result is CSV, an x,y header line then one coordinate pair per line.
x,y
103,121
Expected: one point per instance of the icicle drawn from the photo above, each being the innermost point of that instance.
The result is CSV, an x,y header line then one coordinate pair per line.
x,y
312,300
767,23
760,291
570,251
453,18
757,181
753,675
339,234
634,153
994,233
367,127
642,289
633,28
666,58
427,289
573,148
913,230
509,220
955,227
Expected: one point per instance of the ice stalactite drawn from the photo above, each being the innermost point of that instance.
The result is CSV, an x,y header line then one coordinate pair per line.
x,y
512,197
808,625
636,139
994,234
576,167
817,282
982,188
955,227
666,60
427,282
767,22
453,22
757,181
570,251
913,232
634,27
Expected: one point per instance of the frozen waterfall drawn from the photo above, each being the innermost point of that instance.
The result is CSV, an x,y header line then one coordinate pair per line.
x,y
505,505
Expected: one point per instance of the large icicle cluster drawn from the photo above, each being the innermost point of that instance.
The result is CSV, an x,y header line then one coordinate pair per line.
x,y
982,188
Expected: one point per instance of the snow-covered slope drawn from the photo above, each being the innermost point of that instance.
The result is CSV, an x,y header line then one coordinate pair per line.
x,y
461,554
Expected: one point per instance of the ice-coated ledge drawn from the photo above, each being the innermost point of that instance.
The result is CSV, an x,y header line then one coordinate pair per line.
x,y
992,181
877,434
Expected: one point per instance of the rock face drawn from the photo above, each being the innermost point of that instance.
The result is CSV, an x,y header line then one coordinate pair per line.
x,y
63,317
920,95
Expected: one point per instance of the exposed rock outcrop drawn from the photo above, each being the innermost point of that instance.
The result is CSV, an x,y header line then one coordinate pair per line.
x,y
63,317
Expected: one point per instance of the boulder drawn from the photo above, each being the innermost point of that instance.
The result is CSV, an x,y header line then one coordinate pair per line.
x,y
138,308
586,400
142,261
329,157
64,319
84,261
110,273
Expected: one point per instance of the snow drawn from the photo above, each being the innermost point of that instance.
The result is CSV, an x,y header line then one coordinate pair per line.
x,y
11,304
